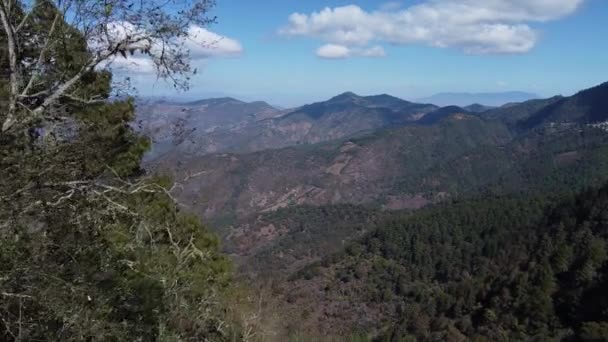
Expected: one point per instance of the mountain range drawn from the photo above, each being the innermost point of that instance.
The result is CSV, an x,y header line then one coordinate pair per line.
x,y
445,154
376,150
487,99
228,125
170,124
291,191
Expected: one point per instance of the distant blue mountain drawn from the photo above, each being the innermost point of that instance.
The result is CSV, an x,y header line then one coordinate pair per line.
x,y
486,99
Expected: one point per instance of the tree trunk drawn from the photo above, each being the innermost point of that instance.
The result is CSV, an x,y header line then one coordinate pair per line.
x,y
15,76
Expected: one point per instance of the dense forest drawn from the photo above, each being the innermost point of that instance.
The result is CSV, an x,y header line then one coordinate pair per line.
x,y
491,269
285,240
488,226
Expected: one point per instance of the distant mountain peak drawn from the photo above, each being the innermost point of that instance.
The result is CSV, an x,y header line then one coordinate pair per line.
x,y
487,99
386,108
444,113
478,108
214,101
349,95
385,97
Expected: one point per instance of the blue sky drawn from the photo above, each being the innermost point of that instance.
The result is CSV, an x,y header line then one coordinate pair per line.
x,y
544,49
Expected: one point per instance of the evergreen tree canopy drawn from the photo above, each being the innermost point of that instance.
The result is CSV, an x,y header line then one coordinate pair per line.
x,y
92,248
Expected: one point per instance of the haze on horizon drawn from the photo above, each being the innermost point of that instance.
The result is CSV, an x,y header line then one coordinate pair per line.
x,y
292,52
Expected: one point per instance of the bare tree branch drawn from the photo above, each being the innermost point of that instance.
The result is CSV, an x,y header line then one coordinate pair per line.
x,y
55,95
26,18
154,29
93,100
38,67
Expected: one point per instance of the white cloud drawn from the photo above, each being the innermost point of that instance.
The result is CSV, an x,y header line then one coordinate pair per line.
x,y
131,64
200,42
333,51
472,26
203,43
336,51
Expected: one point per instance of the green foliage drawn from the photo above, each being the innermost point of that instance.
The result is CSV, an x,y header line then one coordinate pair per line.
x,y
309,234
149,273
503,268
91,248
540,161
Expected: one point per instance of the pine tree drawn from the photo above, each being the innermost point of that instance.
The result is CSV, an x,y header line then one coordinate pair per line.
x,y
92,248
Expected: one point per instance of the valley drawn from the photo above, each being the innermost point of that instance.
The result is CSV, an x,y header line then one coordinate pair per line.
x,y
445,153
280,171
288,211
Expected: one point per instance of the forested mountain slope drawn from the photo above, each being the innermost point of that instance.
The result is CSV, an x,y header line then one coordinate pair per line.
x,y
407,167
586,107
169,124
364,170
502,268
338,117
277,243
514,112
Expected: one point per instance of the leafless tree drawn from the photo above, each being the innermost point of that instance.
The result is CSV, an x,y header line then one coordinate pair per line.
x,y
34,30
